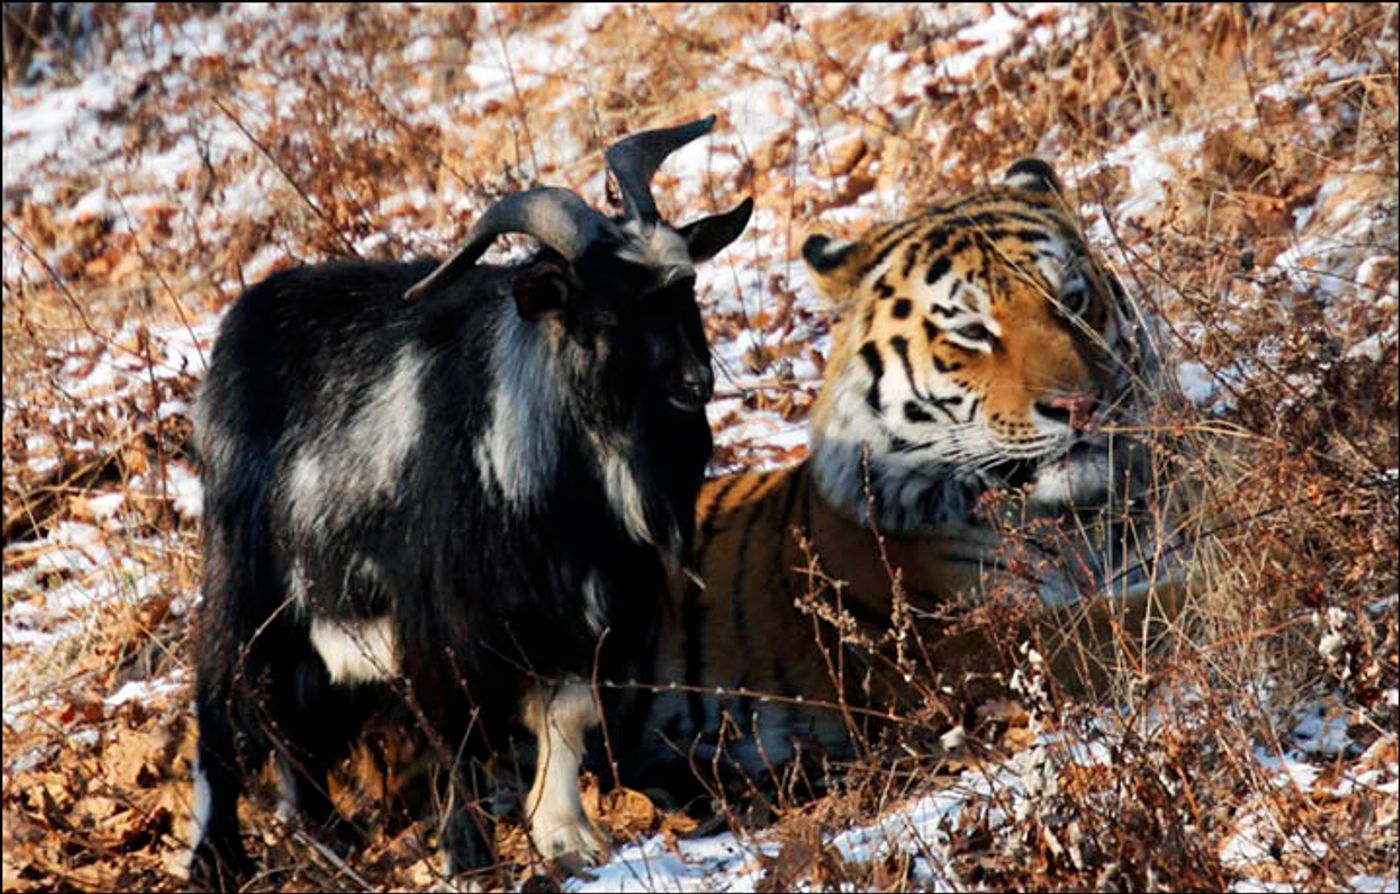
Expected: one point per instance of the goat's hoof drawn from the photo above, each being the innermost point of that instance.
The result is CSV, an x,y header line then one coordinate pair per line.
x,y
574,843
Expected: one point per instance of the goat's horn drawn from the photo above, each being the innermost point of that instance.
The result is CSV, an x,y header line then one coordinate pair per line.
x,y
635,159
555,216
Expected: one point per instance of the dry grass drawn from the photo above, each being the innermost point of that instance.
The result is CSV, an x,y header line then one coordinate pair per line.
x,y
306,145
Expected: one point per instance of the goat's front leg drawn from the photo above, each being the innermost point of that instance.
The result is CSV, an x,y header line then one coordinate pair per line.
x,y
560,717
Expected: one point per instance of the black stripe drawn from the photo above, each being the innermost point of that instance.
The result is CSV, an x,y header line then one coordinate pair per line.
x,y
942,367
902,308
982,219
800,473
865,614
707,525
892,240
935,240
736,590
739,616
871,355
692,612
786,580
785,514
937,270
914,413
943,403
911,257
997,234
901,347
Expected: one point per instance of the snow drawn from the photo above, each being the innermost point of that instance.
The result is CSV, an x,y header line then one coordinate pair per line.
x,y
1317,733
146,691
719,863
989,38
185,491
1374,884
1154,160
1197,383
727,863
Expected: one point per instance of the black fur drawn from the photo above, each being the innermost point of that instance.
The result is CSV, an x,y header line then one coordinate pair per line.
x,y
483,591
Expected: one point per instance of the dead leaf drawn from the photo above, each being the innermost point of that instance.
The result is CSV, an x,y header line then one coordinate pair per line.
x,y
629,814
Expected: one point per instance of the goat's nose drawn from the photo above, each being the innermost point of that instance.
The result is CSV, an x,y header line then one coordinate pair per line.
x,y
1075,410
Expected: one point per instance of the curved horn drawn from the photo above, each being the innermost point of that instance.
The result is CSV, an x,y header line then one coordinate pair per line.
x,y
635,159
557,217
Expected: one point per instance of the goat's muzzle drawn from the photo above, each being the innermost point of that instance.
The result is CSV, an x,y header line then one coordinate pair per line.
x,y
694,389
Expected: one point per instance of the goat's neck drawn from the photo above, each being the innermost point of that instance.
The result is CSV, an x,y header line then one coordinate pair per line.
x,y
519,450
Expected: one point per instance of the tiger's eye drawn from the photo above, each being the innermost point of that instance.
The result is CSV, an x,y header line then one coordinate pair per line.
x,y
974,332
1076,300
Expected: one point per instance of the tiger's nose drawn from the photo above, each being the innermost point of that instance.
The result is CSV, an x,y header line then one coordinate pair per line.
x,y
1074,410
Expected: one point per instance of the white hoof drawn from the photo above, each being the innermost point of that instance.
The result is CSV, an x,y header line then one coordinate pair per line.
x,y
572,840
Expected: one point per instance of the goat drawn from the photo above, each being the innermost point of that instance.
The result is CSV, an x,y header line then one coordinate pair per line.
x,y
446,504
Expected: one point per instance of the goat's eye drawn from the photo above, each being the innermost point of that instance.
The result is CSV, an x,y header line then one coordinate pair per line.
x,y
974,332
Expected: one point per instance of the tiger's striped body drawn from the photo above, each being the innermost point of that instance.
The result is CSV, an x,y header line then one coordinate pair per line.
x,y
975,342
742,631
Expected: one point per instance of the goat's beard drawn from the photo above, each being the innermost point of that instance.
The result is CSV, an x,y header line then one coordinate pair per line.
x,y
672,449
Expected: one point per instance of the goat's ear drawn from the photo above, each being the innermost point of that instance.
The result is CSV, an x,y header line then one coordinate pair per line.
x,y
708,236
540,293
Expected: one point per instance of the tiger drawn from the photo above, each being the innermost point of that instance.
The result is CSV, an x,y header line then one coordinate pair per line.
x,y
979,345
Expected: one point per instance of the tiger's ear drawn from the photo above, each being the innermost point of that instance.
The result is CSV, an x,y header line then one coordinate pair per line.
x,y
1034,175
833,266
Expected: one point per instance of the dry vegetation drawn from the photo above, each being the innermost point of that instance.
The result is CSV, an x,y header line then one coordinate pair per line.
x,y
1259,740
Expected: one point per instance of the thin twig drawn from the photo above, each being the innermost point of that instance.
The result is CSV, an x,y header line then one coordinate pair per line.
x,y
345,243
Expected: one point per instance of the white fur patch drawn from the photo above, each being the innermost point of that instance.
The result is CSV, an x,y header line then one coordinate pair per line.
x,y
387,426
520,449
297,587
305,488
560,720
593,610
203,801
361,461
625,496
658,246
357,651
1078,480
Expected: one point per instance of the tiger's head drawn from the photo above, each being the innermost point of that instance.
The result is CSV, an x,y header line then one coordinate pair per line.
x,y
979,343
